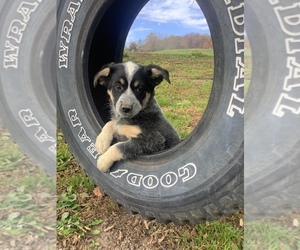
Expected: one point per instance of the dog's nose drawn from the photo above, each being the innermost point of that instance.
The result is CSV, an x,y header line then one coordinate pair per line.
x,y
126,109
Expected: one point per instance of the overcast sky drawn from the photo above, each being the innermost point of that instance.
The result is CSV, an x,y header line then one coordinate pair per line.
x,y
168,17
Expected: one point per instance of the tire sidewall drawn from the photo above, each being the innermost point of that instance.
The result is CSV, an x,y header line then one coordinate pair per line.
x,y
28,101
272,110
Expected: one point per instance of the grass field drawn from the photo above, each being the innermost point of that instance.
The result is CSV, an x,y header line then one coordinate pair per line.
x,y
186,52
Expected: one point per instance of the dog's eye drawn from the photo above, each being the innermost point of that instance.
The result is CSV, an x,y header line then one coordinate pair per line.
x,y
118,87
139,90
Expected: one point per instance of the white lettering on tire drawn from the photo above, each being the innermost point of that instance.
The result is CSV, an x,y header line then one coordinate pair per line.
x,y
41,134
82,133
66,33
15,34
167,180
236,103
288,102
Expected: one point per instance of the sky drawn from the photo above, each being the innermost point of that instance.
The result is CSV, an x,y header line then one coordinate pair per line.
x,y
168,17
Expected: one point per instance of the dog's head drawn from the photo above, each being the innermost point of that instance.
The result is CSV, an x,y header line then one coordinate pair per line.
x,y
130,86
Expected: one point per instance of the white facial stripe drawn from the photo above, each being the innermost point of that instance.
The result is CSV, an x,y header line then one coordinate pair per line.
x,y
130,69
129,92
128,99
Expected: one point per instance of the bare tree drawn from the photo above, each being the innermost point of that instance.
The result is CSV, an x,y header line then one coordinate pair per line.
x,y
133,47
155,42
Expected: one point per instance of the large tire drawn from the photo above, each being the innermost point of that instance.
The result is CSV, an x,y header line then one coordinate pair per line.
x,y
27,78
272,134
202,177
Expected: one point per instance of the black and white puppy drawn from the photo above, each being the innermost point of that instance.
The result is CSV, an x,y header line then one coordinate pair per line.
x,y
137,124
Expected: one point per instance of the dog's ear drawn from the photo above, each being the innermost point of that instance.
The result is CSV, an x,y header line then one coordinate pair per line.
x,y
102,76
158,74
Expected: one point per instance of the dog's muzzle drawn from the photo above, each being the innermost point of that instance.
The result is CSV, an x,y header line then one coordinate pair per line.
x,y
128,110
127,105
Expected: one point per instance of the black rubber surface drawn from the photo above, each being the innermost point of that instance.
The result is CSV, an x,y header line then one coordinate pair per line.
x,y
272,134
27,78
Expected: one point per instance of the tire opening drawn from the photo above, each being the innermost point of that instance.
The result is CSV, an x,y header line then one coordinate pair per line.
x,y
101,51
191,70
186,52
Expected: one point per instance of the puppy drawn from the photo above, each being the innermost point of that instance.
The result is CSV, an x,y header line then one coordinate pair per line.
x,y
137,124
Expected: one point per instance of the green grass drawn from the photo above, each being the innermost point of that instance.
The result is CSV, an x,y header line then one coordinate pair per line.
x,y
69,221
63,157
213,235
10,155
78,188
273,233
27,208
23,218
185,52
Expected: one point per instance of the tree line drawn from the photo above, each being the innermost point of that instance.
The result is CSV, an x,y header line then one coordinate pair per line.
x,y
155,42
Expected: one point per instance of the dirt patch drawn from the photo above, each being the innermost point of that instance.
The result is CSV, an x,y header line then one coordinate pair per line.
x,y
122,231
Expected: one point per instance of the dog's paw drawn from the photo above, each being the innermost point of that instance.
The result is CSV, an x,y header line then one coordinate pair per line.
x,y
103,163
103,142
106,160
